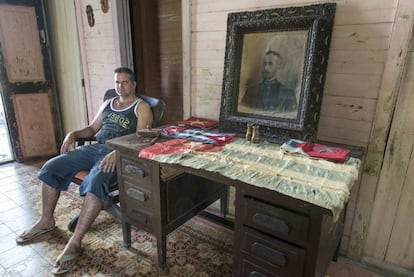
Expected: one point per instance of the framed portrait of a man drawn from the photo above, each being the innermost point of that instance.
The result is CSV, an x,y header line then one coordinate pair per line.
x,y
271,73
275,69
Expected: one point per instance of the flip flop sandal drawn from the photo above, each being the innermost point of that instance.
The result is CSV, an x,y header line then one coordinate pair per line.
x,y
66,260
32,233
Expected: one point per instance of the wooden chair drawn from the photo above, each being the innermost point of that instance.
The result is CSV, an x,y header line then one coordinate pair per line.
x,y
111,205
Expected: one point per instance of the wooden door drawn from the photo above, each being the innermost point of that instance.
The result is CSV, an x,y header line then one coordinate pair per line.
x,y
157,52
26,80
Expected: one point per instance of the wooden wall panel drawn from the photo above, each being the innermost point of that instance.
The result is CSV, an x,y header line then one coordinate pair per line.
x,y
401,250
359,46
171,58
393,200
352,85
372,212
352,108
98,52
34,120
358,56
21,50
67,63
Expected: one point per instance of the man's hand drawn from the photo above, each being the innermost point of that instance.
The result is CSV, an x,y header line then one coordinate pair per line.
x,y
68,144
108,163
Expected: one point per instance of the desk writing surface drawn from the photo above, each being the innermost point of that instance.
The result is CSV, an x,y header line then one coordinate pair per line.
x,y
320,182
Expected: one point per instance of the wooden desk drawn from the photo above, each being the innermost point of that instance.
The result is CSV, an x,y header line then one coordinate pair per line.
x,y
275,235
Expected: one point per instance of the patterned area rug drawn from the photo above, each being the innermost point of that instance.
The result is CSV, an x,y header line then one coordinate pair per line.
x,y
197,248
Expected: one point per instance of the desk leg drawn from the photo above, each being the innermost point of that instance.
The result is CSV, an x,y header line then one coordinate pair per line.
x,y
126,233
224,202
162,251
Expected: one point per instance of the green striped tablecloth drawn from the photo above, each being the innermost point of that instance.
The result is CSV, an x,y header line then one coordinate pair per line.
x,y
320,182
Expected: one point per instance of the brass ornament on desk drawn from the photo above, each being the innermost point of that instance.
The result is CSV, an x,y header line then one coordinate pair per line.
x,y
249,132
255,134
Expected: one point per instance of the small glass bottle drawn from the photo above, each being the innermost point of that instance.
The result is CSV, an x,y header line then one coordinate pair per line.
x,y
249,132
255,134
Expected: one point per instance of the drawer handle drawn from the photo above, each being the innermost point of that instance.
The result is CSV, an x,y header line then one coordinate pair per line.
x,y
268,254
256,274
135,170
140,217
272,223
137,194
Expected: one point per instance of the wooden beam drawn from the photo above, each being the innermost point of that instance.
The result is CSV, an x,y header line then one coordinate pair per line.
x,y
390,85
186,36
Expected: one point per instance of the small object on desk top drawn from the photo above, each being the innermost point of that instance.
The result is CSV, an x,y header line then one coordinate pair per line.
x,y
255,134
198,122
197,134
143,140
314,150
149,132
249,131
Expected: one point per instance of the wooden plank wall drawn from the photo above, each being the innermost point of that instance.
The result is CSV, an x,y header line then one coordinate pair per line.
x,y
171,58
393,241
394,200
385,177
63,36
359,49
98,52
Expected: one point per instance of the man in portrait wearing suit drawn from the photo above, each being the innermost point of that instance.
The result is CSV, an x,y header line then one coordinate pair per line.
x,y
271,94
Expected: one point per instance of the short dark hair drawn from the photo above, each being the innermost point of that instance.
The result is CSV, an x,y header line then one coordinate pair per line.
x,y
126,70
275,53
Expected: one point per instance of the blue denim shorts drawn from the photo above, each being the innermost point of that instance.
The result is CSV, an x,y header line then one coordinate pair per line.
x,y
59,171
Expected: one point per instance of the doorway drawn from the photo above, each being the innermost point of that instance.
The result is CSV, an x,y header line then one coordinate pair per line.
x,y
26,80
158,52
5,145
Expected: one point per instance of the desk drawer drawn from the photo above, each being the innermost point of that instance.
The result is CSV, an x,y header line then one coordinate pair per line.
x,y
137,170
137,196
275,221
271,255
139,217
251,270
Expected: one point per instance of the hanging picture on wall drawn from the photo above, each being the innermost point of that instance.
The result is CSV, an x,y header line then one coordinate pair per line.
x,y
275,69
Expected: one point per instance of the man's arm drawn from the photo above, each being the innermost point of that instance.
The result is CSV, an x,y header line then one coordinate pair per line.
x,y
70,139
144,115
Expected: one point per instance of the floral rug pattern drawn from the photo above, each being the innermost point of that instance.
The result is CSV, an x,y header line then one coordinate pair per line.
x,y
197,248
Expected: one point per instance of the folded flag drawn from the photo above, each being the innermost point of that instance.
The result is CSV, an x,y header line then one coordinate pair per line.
x,y
294,146
176,146
198,122
196,134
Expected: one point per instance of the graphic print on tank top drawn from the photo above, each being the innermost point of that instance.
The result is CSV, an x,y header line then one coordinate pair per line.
x,y
116,123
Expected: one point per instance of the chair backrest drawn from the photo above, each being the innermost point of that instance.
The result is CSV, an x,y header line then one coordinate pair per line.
x,y
157,105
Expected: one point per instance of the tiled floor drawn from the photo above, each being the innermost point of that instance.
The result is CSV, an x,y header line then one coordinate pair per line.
x,y
5,150
19,206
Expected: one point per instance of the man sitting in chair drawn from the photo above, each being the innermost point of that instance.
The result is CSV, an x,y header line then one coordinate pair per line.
x,y
121,115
